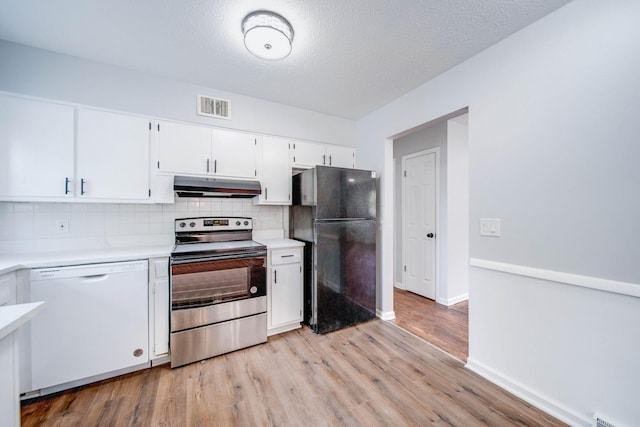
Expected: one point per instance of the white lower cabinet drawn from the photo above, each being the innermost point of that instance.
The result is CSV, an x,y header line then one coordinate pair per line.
x,y
158,308
284,302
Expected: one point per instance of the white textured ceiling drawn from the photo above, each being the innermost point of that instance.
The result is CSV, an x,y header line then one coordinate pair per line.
x,y
349,57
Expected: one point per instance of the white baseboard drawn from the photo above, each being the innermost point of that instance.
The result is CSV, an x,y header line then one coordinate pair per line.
x,y
386,315
284,328
399,286
539,401
454,300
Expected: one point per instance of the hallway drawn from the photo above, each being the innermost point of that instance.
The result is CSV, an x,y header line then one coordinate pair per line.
x,y
445,327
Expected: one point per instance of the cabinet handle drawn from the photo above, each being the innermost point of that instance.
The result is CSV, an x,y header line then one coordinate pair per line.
x,y
286,256
266,193
66,185
330,161
324,159
82,181
275,276
215,166
207,165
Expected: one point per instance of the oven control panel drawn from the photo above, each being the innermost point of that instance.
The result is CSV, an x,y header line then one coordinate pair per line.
x,y
213,224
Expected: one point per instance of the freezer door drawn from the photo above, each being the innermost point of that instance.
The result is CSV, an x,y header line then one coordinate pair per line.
x,y
345,275
344,193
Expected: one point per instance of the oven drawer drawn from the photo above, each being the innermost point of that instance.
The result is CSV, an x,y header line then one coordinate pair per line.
x,y
285,256
213,340
193,317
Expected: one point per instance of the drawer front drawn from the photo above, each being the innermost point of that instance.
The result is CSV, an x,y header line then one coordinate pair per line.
x,y
286,256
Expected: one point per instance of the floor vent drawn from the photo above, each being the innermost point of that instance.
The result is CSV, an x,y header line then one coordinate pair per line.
x,y
599,421
214,107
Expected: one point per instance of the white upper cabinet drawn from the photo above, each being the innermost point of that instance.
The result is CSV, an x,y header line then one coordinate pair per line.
x,y
183,149
113,156
310,154
37,144
234,154
340,156
275,172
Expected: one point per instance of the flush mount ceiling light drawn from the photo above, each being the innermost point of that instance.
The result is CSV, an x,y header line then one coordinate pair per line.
x,y
267,35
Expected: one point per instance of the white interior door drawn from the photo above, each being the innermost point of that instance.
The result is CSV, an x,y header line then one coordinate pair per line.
x,y
419,211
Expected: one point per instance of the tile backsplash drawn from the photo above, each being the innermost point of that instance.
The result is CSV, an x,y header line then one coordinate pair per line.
x,y
28,226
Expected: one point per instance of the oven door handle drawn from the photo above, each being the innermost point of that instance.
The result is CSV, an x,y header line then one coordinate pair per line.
x,y
198,259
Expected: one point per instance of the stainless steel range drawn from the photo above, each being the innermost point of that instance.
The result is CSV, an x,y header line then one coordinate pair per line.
x,y
218,288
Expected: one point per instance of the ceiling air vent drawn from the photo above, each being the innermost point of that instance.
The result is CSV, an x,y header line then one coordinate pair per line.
x,y
214,107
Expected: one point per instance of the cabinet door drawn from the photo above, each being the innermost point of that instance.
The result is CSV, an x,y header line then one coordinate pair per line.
x,y
234,154
113,156
37,143
286,294
8,291
183,149
276,172
159,304
308,154
343,157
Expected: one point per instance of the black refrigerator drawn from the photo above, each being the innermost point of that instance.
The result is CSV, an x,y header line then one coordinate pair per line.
x,y
334,213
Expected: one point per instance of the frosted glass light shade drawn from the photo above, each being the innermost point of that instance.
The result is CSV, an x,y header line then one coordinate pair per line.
x,y
267,35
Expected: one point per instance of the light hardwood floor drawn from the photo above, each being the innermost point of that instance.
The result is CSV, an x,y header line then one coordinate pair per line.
x,y
445,327
372,374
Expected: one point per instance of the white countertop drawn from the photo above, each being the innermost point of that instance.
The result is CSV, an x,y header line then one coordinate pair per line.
x,y
281,242
14,316
11,262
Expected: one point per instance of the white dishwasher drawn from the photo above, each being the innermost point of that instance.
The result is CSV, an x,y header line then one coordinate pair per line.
x,y
95,321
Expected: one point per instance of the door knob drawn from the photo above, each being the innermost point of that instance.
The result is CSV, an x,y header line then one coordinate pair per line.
x,y
430,235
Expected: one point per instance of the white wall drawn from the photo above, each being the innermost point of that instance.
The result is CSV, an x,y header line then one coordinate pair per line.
x,y
552,152
32,226
457,232
46,74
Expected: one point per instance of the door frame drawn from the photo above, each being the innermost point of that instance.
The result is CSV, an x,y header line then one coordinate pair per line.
x,y
436,151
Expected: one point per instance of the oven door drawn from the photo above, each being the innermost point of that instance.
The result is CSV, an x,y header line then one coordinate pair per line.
x,y
215,280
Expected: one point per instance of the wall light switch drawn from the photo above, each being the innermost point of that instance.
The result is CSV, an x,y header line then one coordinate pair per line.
x,y
490,227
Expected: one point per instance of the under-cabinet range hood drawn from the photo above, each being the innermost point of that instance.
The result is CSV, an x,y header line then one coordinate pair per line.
x,y
187,186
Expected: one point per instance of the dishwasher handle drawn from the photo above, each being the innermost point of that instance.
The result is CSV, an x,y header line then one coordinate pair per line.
x,y
94,277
